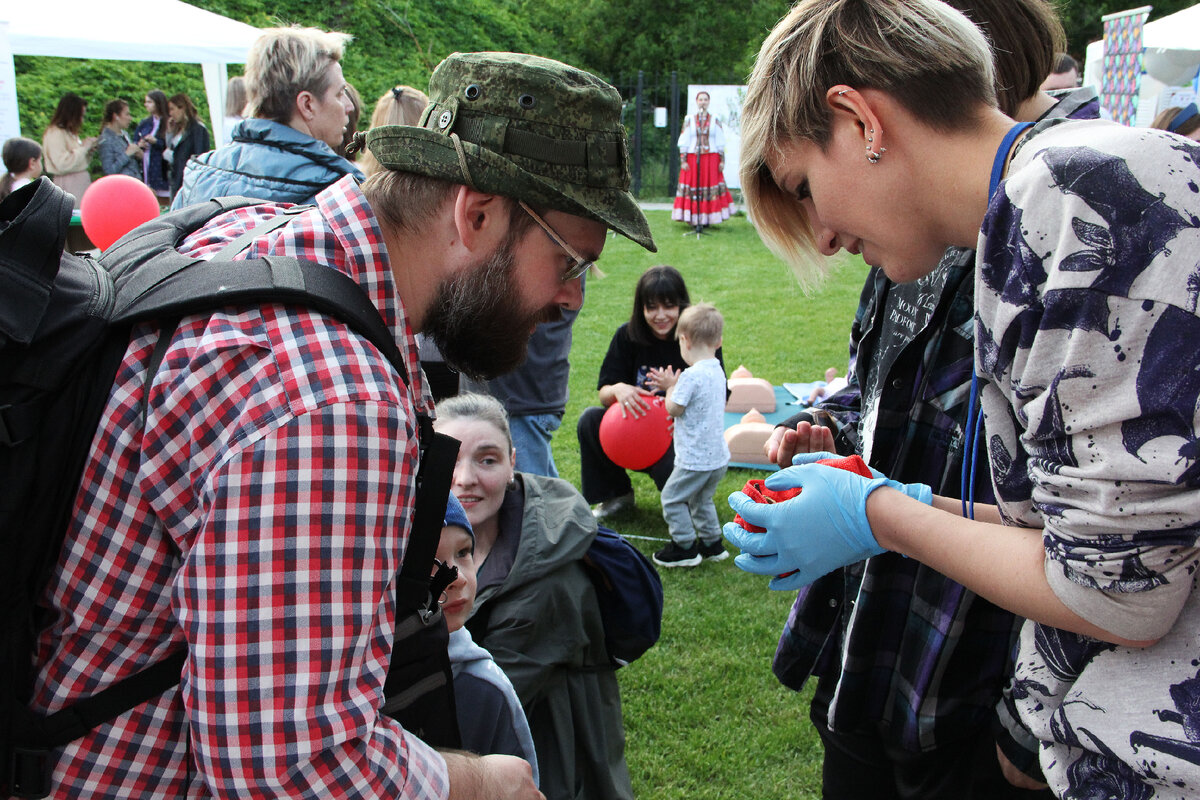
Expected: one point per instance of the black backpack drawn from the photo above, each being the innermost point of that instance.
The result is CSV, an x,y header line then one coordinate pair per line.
x,y
65,322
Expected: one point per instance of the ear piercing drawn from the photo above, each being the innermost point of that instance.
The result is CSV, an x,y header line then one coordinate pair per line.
x,y
872,155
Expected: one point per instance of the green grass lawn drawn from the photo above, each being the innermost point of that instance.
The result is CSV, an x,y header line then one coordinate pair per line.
x,y
704,716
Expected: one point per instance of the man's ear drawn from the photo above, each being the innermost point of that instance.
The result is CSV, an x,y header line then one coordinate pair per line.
x,y
481,220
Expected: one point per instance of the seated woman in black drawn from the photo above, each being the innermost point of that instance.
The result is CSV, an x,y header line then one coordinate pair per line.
x,y
639,349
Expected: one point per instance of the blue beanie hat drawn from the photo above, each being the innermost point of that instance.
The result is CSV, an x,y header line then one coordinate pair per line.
x,y
455,515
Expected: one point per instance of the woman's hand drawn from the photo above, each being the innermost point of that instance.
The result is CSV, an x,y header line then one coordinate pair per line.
x,y
133,150
633,399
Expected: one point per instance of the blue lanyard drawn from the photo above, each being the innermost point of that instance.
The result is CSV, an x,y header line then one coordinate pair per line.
x,y
974,413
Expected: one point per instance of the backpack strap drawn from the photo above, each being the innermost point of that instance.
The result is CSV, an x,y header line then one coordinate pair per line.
x,y
186,286
414,589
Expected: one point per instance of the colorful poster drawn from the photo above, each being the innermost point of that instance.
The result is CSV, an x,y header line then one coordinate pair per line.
x,y
1123,55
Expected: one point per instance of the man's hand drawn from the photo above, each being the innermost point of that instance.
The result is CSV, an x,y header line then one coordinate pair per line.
x,y
492,777
785,444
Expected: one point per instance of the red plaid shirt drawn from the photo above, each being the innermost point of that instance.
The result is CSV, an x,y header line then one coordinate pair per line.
x,y
259,518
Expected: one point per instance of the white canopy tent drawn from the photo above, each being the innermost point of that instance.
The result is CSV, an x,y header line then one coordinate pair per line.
x,y
1172,57
163,30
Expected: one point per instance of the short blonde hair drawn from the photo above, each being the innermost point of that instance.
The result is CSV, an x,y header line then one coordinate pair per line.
x,y
284,62
702,324
925,54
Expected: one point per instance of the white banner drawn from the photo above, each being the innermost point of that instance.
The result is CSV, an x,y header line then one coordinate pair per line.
x,y
10,118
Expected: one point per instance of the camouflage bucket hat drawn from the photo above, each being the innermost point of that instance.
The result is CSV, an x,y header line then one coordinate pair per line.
x,y
524,127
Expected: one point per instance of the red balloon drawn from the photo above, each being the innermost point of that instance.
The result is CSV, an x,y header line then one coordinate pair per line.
x,y
113,206
636,442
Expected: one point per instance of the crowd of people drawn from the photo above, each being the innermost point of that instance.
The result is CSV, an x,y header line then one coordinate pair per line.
x,y
1004,609
169,135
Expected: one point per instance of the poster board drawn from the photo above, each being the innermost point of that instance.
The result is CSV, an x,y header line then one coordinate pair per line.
x,y
1123,56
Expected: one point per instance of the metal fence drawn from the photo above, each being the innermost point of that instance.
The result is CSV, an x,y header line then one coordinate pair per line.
x,y
653,152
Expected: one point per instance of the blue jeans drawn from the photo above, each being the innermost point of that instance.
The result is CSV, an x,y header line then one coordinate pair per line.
x,y
531,434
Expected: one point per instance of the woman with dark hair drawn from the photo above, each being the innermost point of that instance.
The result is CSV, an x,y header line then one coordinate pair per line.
x,y
1086,236
66,155
151,135
22,164
639,350
1184,120
186,137
118,154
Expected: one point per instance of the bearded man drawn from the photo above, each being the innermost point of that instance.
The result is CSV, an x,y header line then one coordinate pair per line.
x,y
252,501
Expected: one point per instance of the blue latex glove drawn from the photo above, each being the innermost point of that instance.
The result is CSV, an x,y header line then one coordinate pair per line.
x,y
917,491
822,529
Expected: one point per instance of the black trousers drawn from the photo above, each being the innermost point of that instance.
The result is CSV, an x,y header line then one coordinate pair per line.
x,y
602,479
862,765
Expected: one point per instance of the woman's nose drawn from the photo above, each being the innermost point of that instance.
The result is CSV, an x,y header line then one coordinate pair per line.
x,y
463,475
826,238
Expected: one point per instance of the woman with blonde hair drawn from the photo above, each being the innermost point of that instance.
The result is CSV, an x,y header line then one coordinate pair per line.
x,y
65,154
871,126
400,105
235,104
536,609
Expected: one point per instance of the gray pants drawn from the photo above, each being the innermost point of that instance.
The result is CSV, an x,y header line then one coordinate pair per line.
x,y
688,508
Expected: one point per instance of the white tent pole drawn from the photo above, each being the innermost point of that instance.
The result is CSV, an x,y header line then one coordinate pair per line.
x,y
216,77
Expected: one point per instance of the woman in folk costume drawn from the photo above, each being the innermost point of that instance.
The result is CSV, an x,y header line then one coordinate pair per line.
x,y
702,197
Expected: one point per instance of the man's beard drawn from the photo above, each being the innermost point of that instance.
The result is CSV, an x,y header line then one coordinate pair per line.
x,y
478,320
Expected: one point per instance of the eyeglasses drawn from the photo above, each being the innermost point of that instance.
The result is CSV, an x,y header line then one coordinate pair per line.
x,y
581,264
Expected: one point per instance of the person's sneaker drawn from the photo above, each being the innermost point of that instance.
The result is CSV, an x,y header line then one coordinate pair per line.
x,y
675,556
713,551
613,506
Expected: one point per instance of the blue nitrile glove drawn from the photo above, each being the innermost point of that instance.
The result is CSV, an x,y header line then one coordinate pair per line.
x,y
917,491
820,530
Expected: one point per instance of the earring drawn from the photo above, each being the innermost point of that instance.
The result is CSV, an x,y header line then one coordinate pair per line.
x,y
874,157
512,484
